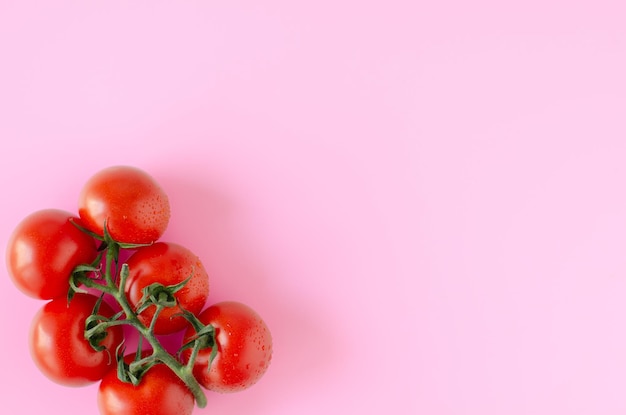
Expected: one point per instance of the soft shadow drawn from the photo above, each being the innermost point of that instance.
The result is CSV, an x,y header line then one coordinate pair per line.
x,y
204,218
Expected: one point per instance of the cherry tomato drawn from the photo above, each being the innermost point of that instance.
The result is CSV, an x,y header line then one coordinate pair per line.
x,y
58,345
136,209
244,348
160,392
44,249
167,264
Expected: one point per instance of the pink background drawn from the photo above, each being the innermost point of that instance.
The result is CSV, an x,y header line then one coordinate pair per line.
x,y
424,199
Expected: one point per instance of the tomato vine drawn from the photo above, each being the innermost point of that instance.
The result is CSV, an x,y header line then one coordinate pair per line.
x,y
111,282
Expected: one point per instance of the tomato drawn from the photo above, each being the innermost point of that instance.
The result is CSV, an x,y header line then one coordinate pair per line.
x,y
160,392
135,207
44,249
58,345
167,264
244,348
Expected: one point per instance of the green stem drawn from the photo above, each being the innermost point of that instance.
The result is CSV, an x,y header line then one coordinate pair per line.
x,y
111,256
194,355
184,372
91,283
155,317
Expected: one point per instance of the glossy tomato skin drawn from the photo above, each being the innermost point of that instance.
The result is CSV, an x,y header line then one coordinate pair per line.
x,y
43,250
135,207
244,348
160,392
58,346
168,264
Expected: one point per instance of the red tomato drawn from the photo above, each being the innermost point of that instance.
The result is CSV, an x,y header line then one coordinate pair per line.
x,y
58,345
43,250
244,348
160,392
167,264
135,207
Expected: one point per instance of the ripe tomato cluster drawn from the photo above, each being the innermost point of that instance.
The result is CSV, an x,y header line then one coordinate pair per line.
x,y
156,288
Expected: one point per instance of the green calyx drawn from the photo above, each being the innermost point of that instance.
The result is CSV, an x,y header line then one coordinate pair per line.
x,y
159,295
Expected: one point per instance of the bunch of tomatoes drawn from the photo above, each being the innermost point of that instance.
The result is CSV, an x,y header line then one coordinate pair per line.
x,y
105,269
